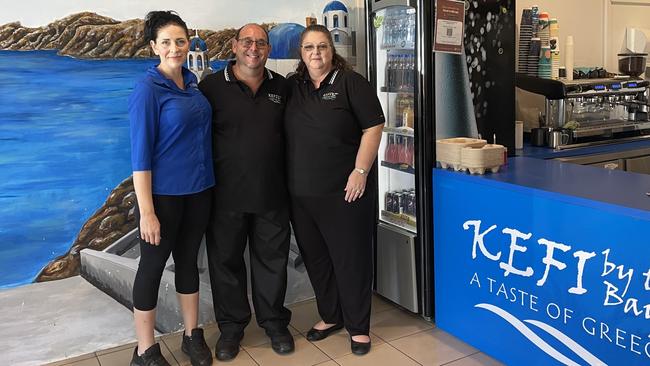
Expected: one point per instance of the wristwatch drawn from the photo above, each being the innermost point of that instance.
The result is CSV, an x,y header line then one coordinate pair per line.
x,y
361,171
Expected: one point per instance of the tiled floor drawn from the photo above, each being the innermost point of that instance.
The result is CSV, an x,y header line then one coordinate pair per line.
x,y
398,339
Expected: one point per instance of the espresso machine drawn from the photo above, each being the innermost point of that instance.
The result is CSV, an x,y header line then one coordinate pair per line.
x,y
592,111
597,109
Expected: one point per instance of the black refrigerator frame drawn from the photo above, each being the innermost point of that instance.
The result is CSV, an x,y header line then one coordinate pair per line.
x,y
424,135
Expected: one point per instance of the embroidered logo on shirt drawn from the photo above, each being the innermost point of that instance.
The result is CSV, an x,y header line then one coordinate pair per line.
x,y
277,99
193,85
330,96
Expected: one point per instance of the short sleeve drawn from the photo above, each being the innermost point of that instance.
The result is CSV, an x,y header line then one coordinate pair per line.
x,y
364,102
144,115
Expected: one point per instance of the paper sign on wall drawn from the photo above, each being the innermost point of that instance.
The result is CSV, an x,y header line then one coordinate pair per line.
x,y
449,26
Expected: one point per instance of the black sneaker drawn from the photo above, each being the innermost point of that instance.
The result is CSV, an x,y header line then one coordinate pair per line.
x,y
195,347
150,357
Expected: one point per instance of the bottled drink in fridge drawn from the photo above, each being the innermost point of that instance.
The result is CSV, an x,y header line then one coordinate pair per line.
x,y
410,152
387,31
390,70
388,201
408,118
399,110
401,150
410,30
410,72
390,155
402,22
411,204
399,73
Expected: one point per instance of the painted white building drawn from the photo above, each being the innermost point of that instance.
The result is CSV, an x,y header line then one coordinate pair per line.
x,y
336,18
198,61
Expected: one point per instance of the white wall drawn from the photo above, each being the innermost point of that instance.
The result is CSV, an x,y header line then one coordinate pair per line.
x,y
597,26
580,18
198,14
621,15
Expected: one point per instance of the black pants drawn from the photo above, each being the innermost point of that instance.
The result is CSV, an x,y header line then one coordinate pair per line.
x,y
183,220
335,240
268,237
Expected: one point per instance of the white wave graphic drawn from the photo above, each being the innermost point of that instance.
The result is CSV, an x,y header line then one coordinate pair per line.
x,y
526,332
573,345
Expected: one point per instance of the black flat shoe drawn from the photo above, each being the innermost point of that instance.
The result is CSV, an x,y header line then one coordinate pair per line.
x,y
317,334
227,347
359,348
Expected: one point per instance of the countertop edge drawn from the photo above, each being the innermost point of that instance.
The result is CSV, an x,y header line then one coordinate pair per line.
x,y
601,198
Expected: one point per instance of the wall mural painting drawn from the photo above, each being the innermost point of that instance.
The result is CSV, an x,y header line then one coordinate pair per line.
x,y
66,194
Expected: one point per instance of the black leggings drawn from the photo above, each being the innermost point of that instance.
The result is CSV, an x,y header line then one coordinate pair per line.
x,y
183,221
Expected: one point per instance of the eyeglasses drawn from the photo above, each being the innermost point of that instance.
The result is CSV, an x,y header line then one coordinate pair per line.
x,y
310,47
248,42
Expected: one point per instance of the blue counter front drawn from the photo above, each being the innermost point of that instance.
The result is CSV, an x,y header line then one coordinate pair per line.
x,y
545,263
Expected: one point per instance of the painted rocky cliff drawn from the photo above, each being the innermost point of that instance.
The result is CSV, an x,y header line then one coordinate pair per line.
x,y
109,223
89,35
92,36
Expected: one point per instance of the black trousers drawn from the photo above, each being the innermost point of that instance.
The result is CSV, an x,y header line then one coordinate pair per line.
x,y
335,240
268,236
183,220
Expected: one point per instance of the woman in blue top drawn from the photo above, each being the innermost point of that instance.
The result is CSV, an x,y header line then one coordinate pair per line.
x,y
172,174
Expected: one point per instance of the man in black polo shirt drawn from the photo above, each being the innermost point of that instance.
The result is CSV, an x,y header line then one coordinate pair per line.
x,y
250,195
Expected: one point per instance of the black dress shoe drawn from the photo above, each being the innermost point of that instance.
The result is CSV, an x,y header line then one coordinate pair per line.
x,y
359,348
195,347
228,346
282,342
319,334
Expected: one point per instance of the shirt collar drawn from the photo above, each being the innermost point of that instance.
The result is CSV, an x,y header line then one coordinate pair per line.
x,y
229,74
188,77
331,77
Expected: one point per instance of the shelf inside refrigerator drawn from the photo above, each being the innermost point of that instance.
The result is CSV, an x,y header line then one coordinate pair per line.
x,y
398,48
405,168
385,89
404,131
402,220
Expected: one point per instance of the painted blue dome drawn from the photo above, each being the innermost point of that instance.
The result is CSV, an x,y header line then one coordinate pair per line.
x,y
285,41
334,6
197,42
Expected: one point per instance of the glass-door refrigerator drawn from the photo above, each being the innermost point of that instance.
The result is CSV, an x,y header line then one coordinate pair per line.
x,y
399,66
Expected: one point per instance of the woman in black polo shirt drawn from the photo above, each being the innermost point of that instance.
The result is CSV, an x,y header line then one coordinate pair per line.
x,y
333,127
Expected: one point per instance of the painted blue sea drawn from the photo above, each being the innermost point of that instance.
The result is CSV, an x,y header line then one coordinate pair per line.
x,y
64,145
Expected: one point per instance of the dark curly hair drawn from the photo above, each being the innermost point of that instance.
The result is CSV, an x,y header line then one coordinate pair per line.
x,y
338,62
158,19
